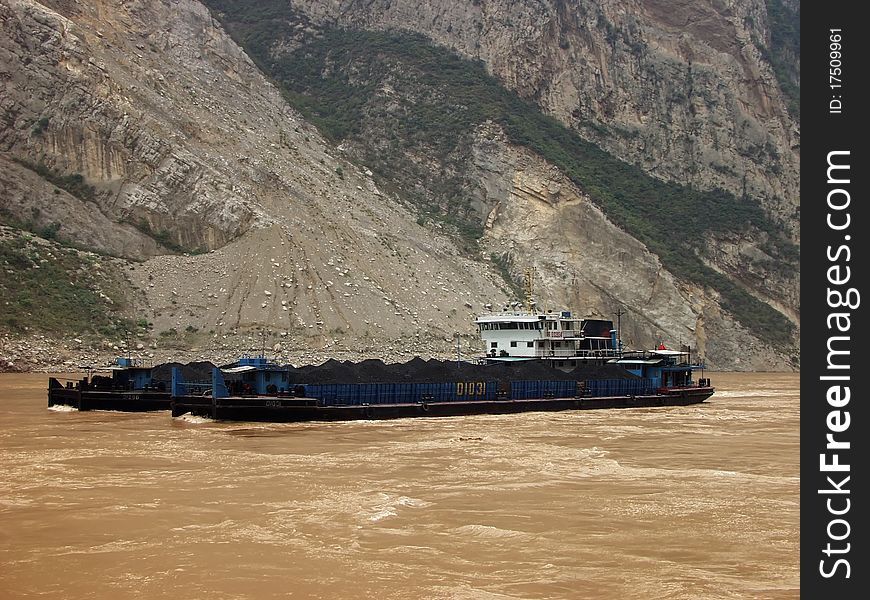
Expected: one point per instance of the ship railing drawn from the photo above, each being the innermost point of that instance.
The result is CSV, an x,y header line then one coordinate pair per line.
x,y
129,362
193,388
555,352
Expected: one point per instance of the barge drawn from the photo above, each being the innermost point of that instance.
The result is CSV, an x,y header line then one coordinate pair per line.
x,y
534,361
257,390
129,387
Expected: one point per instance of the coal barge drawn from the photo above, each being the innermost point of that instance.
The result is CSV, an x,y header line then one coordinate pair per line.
x,y
535,362
255,389
127,385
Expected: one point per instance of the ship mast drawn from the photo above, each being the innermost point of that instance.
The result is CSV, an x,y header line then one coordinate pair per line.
x,y
619,313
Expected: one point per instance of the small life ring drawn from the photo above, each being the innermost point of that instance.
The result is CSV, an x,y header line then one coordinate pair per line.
x,y
424,406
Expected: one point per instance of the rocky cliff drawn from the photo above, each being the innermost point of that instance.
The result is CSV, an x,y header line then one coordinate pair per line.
x,y
687,91
539,219
141,129
178,133
682,89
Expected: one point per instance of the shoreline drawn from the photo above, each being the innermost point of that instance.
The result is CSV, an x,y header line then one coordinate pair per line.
x,y
46,354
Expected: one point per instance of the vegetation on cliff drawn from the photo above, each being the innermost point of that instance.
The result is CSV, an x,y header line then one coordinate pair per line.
x,y
47,287
409,109
784,50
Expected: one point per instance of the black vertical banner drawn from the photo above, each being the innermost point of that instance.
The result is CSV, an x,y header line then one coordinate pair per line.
x,y
835,60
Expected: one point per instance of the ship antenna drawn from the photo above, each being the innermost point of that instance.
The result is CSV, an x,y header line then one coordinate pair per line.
x,y
530,303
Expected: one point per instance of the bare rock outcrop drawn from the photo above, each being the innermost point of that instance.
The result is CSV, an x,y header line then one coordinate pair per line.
x,y
679,88
538,219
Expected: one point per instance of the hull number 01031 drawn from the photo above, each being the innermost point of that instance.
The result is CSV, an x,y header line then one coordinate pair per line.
x,y
471,388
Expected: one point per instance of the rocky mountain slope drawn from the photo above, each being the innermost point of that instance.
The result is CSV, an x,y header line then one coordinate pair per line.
x,y
141,129
682,89
205,149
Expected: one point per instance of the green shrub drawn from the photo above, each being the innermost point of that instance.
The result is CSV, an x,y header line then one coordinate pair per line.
x,y
52,288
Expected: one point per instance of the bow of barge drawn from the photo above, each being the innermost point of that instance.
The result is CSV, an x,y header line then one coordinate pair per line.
x,y
127,385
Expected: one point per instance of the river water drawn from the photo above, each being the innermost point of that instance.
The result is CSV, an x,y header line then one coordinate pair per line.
x,y
679,503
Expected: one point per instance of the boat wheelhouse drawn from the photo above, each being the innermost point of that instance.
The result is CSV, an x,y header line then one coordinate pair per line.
x,y
666,369
254,375
558,337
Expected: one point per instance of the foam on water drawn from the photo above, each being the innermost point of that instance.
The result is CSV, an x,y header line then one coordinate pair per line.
x,y
488,531
193,419
754,393
388,505
469,593
383,514
62,408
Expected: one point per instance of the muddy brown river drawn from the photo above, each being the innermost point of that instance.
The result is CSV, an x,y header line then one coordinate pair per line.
x,y
667,503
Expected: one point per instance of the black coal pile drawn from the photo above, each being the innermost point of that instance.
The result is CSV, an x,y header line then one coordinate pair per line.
x,y
195,371
605,371
418,370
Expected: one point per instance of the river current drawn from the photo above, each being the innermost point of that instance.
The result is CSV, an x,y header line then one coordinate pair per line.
x,y
671,503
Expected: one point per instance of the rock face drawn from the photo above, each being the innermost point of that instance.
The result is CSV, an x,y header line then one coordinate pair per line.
x,y
173,125
27,196
187,147
682,90
539,219
679,88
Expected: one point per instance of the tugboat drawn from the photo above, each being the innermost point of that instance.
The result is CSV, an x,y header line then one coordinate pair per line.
x,y
129,386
